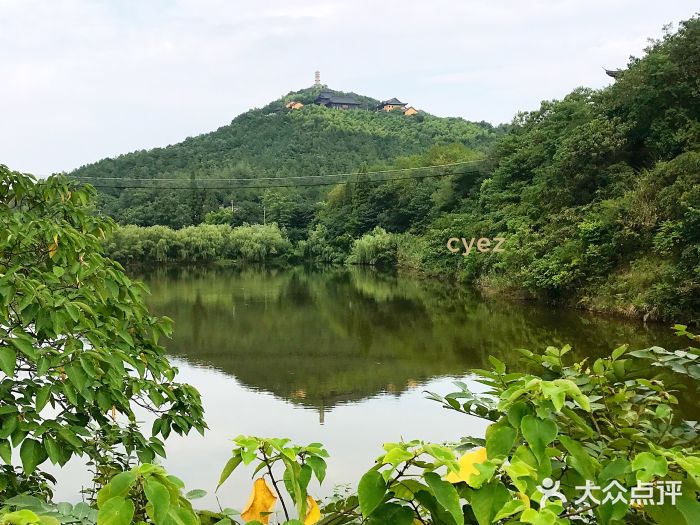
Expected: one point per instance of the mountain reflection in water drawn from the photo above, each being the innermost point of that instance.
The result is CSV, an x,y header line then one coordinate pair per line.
x,y
322,338
341,357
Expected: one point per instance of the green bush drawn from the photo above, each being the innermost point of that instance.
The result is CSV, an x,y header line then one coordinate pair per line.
x,y
77,339
257,242
204,243
377,248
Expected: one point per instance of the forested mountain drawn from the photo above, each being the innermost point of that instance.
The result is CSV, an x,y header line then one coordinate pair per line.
x,y
272,141
597,195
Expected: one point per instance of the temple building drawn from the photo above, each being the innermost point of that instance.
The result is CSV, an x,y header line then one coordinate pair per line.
x,y
332,100
294,105
391,105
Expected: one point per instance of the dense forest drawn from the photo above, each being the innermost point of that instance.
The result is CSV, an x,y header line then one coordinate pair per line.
x,y
268,143
596,194
81,364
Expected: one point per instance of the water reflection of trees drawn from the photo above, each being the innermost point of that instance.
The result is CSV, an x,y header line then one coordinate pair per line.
x,y
319,338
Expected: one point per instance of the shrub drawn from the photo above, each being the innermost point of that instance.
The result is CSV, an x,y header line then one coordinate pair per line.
x,y
76,338
377,248
257,242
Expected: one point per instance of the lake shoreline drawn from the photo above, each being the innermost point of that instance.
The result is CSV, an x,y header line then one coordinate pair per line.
x,y
485,286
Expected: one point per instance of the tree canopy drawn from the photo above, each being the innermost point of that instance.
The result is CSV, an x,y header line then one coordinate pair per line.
x,y
79,351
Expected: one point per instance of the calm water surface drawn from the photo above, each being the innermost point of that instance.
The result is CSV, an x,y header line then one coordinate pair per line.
x,y
341,357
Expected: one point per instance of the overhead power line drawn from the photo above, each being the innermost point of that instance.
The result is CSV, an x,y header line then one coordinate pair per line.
x,y
298,185
272,182
393,170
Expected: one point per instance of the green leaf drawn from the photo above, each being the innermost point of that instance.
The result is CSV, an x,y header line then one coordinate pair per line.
x,y
541,517
618,352
579,459
446,495
52,449
396,456
649,466
73,312
230,466
32,454
20,517
489,500
510,508
120,484
8,360
517,412
318,465
69,391
500,441
71,437
181,516
538,433
371,491
437,513
615,469
391,514
498,366
196,494
557,393
77,376
6,451
42,397
25,347
116,511
159,497
687,504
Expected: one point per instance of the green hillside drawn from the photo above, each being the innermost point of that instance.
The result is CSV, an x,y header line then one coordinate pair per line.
x,y
597,196
272,142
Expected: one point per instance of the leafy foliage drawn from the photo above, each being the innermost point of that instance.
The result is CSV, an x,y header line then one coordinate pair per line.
x,y
300,464
78,348
605,426
80,513
597,196
197,244
145,493
377,248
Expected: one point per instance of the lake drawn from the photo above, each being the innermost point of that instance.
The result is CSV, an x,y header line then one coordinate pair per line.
x,y
341,357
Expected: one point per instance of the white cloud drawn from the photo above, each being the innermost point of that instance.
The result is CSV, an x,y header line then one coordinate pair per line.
x,y
82,80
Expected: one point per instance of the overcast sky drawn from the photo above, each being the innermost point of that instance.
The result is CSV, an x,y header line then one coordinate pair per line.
x,y
81,80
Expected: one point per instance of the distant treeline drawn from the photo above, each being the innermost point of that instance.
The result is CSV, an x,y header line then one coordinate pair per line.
x,y
204,243
597,196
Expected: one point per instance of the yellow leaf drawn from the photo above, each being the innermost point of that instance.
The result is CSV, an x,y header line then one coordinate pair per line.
x,y
261,503
524,499
53,247
467,466
314,513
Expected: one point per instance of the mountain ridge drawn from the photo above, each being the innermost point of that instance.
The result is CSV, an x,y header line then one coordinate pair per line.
x,y
298,132
271,141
